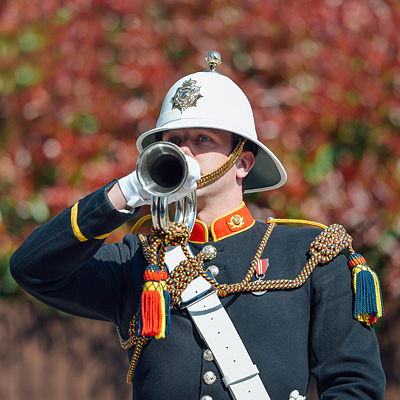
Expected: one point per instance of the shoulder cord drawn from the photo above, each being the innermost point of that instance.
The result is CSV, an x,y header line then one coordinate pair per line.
x,y
325,247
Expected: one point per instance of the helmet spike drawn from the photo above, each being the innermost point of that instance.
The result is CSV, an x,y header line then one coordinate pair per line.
x,y
213,59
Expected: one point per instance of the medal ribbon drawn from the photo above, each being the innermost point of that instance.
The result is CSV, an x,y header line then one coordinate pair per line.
x,y
262,267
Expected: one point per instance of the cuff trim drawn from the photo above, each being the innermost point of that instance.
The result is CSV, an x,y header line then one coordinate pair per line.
x,y
75,227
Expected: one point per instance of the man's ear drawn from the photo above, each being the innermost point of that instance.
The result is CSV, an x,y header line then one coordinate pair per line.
x,y
244,164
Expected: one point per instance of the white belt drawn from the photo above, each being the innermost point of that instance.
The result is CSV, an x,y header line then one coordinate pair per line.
x,y
239,373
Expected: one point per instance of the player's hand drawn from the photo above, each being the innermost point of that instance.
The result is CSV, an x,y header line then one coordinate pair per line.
x,y
136,195
133,191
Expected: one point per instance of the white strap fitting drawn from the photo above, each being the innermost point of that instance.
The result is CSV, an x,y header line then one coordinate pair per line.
x,y
197,288
239,375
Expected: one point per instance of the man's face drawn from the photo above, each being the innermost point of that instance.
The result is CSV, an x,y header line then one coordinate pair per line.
x,y
210,148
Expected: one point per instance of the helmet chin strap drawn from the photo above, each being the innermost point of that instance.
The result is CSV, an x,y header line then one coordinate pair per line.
x,y
222,169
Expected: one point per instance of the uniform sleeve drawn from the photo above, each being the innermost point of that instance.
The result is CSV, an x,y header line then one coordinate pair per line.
x,y
344,353
66,264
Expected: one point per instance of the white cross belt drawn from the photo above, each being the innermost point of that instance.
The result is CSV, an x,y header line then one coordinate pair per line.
x,y
239,373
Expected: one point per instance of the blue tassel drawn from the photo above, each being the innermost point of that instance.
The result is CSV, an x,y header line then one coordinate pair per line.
x,y
167,312
368,305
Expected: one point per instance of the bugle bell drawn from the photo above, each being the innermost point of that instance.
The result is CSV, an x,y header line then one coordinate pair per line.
x,y
162,170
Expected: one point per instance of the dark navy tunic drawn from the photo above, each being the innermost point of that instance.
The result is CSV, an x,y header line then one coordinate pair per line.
x,y
289,334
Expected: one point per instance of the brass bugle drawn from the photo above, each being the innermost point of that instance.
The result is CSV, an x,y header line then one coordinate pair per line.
x,y
162,170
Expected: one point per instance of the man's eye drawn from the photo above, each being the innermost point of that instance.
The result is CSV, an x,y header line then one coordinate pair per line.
x,y
204,139
174,140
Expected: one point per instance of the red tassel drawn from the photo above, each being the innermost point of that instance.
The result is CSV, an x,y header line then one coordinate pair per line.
x,y
153,318
151,313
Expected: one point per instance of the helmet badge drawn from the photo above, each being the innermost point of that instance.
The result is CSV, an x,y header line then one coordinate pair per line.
x,y
187,95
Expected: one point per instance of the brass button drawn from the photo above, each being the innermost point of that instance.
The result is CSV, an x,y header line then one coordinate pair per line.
x,y
209,378
208,355
214,270
236,222
209,250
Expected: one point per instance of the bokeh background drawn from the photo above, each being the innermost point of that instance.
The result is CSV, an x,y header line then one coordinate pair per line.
x,y
81,79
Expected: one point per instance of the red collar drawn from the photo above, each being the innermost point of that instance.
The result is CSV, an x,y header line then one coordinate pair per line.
x,y
236,221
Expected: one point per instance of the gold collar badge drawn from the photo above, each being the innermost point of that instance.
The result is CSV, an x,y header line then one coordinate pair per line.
x,y
236,222
187,95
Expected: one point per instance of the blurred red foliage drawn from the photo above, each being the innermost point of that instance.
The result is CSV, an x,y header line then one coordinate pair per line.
x,y
80,80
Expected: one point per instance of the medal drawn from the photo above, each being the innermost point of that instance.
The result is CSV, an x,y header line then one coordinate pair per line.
x,y
260,271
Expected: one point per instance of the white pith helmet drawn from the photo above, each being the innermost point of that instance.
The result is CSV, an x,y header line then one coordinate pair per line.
x,y
209,99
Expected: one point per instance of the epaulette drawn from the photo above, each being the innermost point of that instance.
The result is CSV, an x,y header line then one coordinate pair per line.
x,y
368,305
